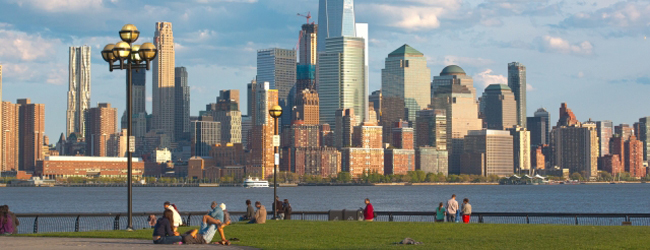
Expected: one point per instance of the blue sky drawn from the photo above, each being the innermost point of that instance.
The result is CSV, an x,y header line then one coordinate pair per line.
x,y
590,54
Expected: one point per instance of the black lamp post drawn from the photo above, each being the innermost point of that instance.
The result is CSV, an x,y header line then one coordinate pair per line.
x,y
129,57
275,112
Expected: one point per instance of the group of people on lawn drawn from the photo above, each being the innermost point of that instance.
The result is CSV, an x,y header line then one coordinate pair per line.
x,y
452,212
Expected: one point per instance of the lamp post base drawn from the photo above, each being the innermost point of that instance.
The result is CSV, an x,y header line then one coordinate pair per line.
x,y
130,229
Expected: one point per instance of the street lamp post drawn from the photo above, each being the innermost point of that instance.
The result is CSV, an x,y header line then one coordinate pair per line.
x,y
275,112
129,57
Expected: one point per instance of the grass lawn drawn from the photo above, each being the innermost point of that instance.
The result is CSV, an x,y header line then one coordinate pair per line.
x,y
381,235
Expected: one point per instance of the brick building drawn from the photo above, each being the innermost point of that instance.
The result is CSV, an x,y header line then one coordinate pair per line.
x,y
54,167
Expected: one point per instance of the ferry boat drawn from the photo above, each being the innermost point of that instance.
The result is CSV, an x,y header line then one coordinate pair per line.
x,y
255,183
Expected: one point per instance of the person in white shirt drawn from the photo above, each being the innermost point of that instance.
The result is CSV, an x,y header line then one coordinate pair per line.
x,y
178,221
452,207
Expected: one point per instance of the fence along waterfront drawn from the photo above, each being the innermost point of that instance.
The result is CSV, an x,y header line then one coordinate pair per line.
x,y
81,222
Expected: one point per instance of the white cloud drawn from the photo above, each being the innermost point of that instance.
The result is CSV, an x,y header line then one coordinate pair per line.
x,y
559,45
581,74
26,47
627,17
200,36
486,78
529,87
61,5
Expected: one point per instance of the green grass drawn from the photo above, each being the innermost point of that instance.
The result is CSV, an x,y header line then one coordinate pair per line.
x,y
382,235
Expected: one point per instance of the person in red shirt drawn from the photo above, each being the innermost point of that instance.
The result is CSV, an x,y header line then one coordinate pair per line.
x,y
369,211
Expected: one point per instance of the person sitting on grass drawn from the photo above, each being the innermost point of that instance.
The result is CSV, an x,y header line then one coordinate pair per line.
x,y
209,224
260,214
6,224
226,222
163,232
250,211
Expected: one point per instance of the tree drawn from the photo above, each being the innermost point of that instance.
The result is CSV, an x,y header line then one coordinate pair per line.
x,y
576,176
344,177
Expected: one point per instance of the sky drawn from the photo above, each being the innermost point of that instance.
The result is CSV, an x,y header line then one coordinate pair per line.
x,y
590,54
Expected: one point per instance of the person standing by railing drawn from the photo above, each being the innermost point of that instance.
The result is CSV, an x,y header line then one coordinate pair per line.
x,y
467,211
369,211
441,212
452,208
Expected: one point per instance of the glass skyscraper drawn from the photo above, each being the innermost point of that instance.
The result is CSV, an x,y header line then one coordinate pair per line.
x,y
335,19
517,82
278,67
78,90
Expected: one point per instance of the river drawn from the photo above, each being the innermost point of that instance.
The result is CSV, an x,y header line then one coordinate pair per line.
x,y
596,198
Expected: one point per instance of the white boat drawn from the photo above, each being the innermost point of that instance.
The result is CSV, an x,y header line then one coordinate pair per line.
x,y
255,183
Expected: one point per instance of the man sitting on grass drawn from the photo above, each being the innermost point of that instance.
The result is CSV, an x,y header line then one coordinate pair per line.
x,y
209,225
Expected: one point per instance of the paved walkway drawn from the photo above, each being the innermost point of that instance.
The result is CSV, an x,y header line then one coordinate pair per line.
x,y
95,244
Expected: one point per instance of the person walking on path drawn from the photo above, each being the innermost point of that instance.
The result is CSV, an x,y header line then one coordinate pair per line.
x,y
452,208
369,211
163,233
441,212
286,206
467,211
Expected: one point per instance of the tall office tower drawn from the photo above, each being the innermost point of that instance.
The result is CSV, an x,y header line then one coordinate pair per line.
x,y
404,85
261,140
345,121
246,126
634,157
617,147
10,126
227,113
624,130
278,67
431,127
452,75
375,101
644,136
306,70
31,131
341,79
521,149
604,130
78,89
500,107
2,133
306,107
455,95
487,152
163,84
567,118
539,127
517,82
575,147
181,105
250,97
205,133
361,30
335,18
101,123
139,105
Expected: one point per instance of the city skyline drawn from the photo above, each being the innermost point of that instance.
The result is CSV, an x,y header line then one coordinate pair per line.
x,y
575,60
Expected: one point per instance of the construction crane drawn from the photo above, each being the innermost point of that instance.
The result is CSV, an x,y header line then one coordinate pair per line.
x,y
308,16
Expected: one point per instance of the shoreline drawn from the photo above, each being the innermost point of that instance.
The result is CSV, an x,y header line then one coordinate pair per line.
x,y
302,184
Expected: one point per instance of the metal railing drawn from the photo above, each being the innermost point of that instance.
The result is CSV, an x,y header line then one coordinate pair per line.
x,y
81,222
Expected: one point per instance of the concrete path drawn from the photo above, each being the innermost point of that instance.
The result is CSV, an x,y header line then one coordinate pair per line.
x,y
51,243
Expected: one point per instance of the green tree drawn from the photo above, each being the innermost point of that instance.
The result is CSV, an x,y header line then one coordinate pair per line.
x,y
576,176
344,177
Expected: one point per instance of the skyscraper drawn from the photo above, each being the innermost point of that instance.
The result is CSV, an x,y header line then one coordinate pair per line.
x,y
539,127
182,104
10,136
341,79
335,18
101,123
487,152
454,93
517,82
139,91
431,127
575,146
78,89
500,107
604,130
521,149
227,113
404,84
263,128
306,71
306,107
31,132
278,67
205,133
644,136
163,80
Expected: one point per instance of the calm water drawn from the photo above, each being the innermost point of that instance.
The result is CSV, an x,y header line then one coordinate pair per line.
x,y
620,198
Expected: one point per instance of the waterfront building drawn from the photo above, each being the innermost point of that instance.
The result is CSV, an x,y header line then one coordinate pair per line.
x,y
500,107
163,80
261,140
367,135
31,133
488,152
404,86
402,135
575,146
540,127
228,154
205,133
62,167
181,105
538,160
612,164
278,67
521,149
644,136
634,158
431,160
431,127
78,89
399,161
604,130
320,161
10,136
454,92
345,122
517,83
337,90
101,123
